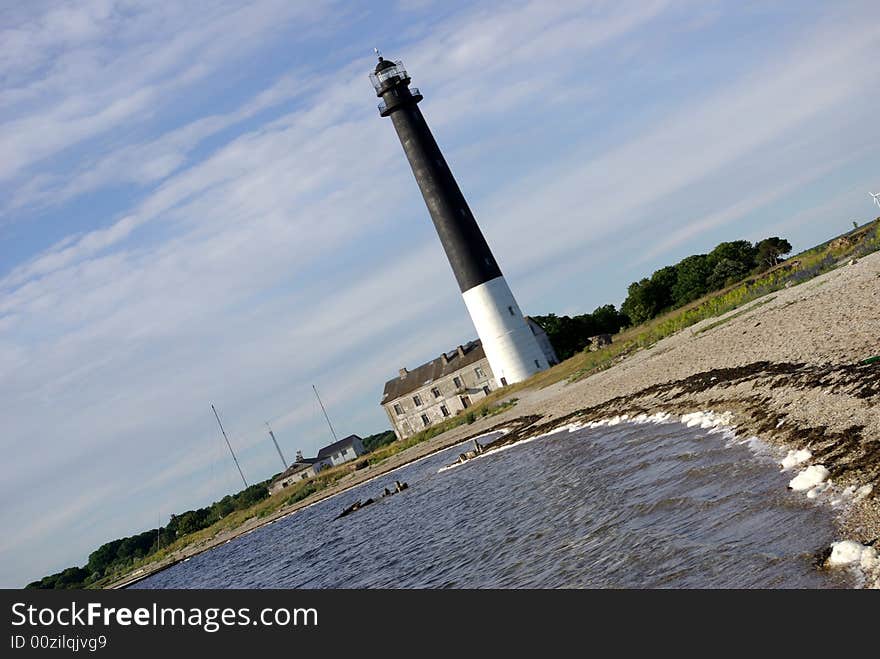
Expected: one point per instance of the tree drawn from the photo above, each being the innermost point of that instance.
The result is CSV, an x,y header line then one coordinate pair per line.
x,y
103,556
692,274
567,335
192,521
607,320
570,335
663,281
642,301
770,251
725,273
738,251
372,442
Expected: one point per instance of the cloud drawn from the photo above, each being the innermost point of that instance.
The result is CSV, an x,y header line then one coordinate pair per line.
x,y
111,63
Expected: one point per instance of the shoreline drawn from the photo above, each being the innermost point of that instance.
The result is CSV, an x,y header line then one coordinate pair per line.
x,y
787,366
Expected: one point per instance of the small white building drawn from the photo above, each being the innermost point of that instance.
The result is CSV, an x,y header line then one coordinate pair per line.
x,y
345,450
300,470
337,453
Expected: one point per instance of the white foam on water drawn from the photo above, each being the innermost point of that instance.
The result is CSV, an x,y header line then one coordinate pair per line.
x,y
501,449
709,420
861,558
570,427
813,492
809,478
813,480
659,417
756,445
794,458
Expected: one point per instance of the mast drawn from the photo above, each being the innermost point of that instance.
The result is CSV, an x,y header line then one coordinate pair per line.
x,y
277,448
332,432
234,459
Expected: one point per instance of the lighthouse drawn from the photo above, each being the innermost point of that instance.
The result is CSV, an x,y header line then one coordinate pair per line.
x,y
511,348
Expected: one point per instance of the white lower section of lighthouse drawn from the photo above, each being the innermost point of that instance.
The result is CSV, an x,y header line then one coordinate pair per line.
x,y
511,348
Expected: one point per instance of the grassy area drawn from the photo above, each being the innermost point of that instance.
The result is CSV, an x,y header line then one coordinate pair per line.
x,y
730,317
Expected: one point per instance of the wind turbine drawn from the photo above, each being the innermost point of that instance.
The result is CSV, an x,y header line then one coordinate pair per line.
x,y
876,197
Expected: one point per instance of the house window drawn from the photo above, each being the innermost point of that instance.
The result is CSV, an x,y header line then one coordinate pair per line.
x,y
417,400
479,372
465,401
510,309
457,382
436,392
537,364
444,411
426,420
398,410
486,390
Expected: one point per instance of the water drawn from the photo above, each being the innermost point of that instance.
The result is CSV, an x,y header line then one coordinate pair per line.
x,y
655,505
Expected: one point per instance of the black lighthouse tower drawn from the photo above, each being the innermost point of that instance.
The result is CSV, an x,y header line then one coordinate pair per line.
x,y
511,348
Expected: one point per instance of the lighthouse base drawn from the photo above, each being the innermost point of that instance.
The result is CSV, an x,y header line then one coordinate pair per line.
x,y
511,348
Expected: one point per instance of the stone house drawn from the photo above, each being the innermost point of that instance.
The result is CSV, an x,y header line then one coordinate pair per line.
x,y
445,386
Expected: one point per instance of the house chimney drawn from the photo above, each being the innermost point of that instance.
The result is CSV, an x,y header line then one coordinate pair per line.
x,y
403,372
444,358
460,351
299,456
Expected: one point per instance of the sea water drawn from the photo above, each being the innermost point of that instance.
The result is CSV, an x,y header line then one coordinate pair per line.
x,y
625,505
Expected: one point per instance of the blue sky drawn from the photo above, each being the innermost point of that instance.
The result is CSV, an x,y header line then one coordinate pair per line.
x,y
200,204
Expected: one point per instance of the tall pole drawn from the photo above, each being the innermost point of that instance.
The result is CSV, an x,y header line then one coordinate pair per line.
x,y
332,432
234,459
277,448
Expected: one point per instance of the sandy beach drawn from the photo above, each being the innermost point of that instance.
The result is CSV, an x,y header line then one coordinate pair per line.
x,y
786,366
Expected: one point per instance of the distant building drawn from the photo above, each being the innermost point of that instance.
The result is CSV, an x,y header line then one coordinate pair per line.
x,y
300,470
342,451
446,385
337,453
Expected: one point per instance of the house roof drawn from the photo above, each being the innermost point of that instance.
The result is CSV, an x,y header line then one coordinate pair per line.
x,y
327,451
296,467
433,370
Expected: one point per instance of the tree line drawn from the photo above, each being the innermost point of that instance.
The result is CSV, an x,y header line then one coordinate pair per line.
x,y
571,334
668,288
691,278
118,554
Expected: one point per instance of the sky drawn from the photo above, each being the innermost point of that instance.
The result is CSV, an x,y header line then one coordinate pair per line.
x,y
199,204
